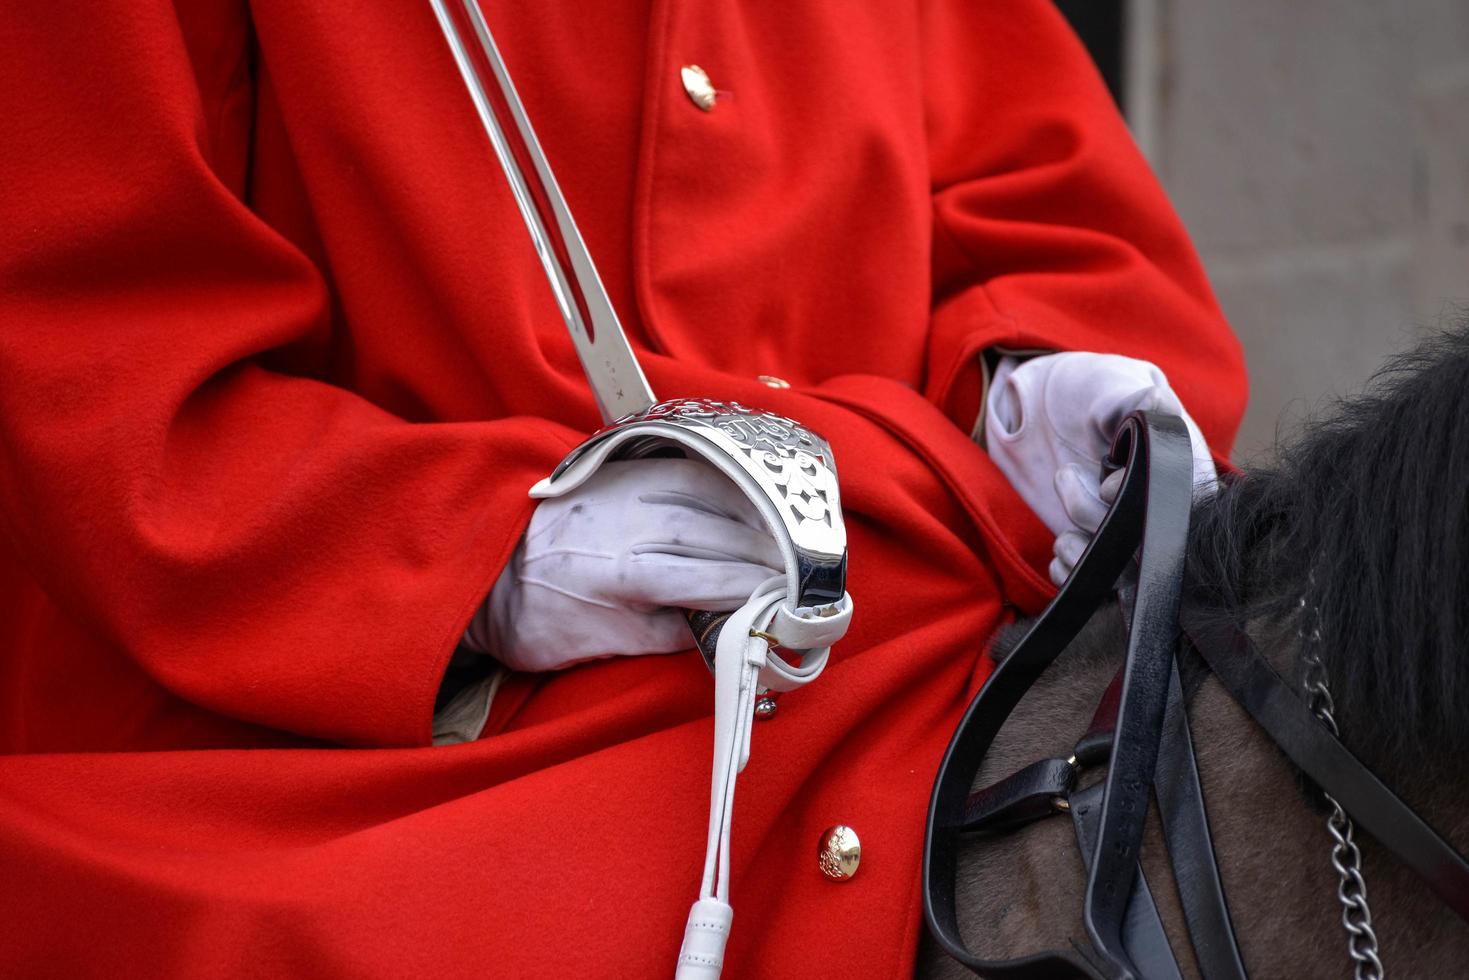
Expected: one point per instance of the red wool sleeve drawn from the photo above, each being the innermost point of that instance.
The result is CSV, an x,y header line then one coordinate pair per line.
x,y
173,466
1050,232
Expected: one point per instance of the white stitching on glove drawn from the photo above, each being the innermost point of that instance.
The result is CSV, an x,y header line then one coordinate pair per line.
x,y
603,570
1049,423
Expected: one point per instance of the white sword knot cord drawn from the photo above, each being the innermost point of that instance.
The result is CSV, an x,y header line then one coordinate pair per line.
x,y
743,663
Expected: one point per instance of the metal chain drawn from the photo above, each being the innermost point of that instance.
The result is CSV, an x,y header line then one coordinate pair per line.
x,y
1351,889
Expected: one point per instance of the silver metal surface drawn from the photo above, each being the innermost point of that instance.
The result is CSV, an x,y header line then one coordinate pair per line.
x,y
1346,858
617,380
792,466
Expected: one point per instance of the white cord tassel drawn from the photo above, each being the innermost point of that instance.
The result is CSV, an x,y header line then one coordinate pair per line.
x,y
738,657
742,662
702,955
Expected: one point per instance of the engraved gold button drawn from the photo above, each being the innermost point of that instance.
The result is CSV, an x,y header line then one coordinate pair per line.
x,y
696,83
771,381
840,853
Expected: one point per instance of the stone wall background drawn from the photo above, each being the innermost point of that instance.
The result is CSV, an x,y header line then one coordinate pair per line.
x,y
1318,151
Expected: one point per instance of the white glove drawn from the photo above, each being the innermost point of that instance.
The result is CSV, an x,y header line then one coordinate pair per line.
x,y
603,570
1049,423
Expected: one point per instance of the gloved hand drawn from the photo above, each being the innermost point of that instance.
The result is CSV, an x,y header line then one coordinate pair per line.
x,y
603,570
1049,423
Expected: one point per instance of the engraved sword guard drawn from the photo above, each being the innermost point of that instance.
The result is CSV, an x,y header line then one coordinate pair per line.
x,y
784,468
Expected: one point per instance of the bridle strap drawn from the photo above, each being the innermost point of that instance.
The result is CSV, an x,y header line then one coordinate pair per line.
x,y
1250,679
1042,788
1150,648
1150,748
1146,939
1155,495
1180,795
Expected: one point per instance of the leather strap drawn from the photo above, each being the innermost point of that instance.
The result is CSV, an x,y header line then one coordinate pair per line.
x,y
1180,796
743,664
1095,746
1146,939
1167,484
1019,799
1250,679
1150,645
1032,794
1150,743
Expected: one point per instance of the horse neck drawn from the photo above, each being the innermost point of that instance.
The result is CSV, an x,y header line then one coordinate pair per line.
x,y
1274,851
1023,893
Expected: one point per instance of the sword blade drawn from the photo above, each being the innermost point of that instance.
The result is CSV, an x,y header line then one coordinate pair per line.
x,y
618,384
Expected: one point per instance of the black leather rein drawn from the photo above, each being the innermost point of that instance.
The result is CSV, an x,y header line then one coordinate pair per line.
x,y
1141,733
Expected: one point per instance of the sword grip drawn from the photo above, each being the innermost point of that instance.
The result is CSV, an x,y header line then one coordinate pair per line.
x,y
706,627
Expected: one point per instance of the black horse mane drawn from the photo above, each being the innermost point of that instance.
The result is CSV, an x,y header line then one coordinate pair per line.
x,y
1366,514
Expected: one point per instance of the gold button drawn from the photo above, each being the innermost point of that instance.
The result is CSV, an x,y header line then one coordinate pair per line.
x,y
840,852
771,381
696,83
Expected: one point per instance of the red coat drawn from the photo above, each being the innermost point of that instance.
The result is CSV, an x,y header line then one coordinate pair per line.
x,y
278,365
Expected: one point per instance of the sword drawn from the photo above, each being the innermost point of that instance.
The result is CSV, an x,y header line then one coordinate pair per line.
x,y
611,367
785,468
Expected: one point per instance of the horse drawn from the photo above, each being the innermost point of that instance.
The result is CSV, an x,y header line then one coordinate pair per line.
x,y
1349,552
